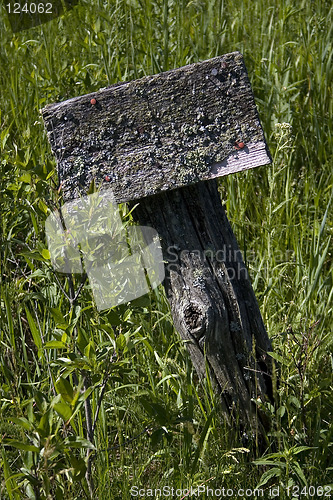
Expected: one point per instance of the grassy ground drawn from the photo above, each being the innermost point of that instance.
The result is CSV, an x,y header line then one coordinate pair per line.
x,y
54,357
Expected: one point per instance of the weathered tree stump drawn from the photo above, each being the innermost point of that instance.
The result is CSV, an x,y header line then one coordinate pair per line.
x,y
161,141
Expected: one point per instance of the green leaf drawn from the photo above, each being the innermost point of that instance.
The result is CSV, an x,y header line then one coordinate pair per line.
x,y
26,178
50,174
121,341
157,436
9,317
34,332
281,411
13,187
278,358
78,442
45,424
22,422
55,344
63,387
43,207
317,272
92,187
46,254
82,340
33,255
40,401
275,472
19,445
58,316
89,351
300,473
63,410
294,401
203,439
11,485
299,449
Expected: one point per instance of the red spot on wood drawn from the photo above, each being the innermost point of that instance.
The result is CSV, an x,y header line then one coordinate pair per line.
x,y
93,101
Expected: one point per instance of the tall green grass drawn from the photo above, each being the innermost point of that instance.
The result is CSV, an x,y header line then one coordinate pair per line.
x,y
156,423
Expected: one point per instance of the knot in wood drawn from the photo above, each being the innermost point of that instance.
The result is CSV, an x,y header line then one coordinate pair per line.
x,y
194,319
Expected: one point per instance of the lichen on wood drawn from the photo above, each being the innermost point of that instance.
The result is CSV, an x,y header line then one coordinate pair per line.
x,y
160,132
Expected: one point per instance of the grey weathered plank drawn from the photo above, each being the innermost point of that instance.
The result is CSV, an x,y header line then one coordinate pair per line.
x,y
160,132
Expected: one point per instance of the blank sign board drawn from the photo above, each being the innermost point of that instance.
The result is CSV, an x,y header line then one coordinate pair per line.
x,y
160,132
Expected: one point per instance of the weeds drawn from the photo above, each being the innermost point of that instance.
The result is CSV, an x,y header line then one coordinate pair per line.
x,y
153,423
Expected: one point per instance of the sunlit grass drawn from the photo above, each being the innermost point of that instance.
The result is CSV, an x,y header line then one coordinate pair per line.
x,y
282,218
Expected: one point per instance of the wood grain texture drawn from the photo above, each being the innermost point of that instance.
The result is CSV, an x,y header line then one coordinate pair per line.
x,y
160,132
211,298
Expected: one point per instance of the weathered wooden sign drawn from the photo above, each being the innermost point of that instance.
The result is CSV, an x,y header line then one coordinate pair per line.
x,y
160,132
162,140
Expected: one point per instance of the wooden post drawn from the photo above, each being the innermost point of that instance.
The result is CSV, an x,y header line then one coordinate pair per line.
x,y
161,141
